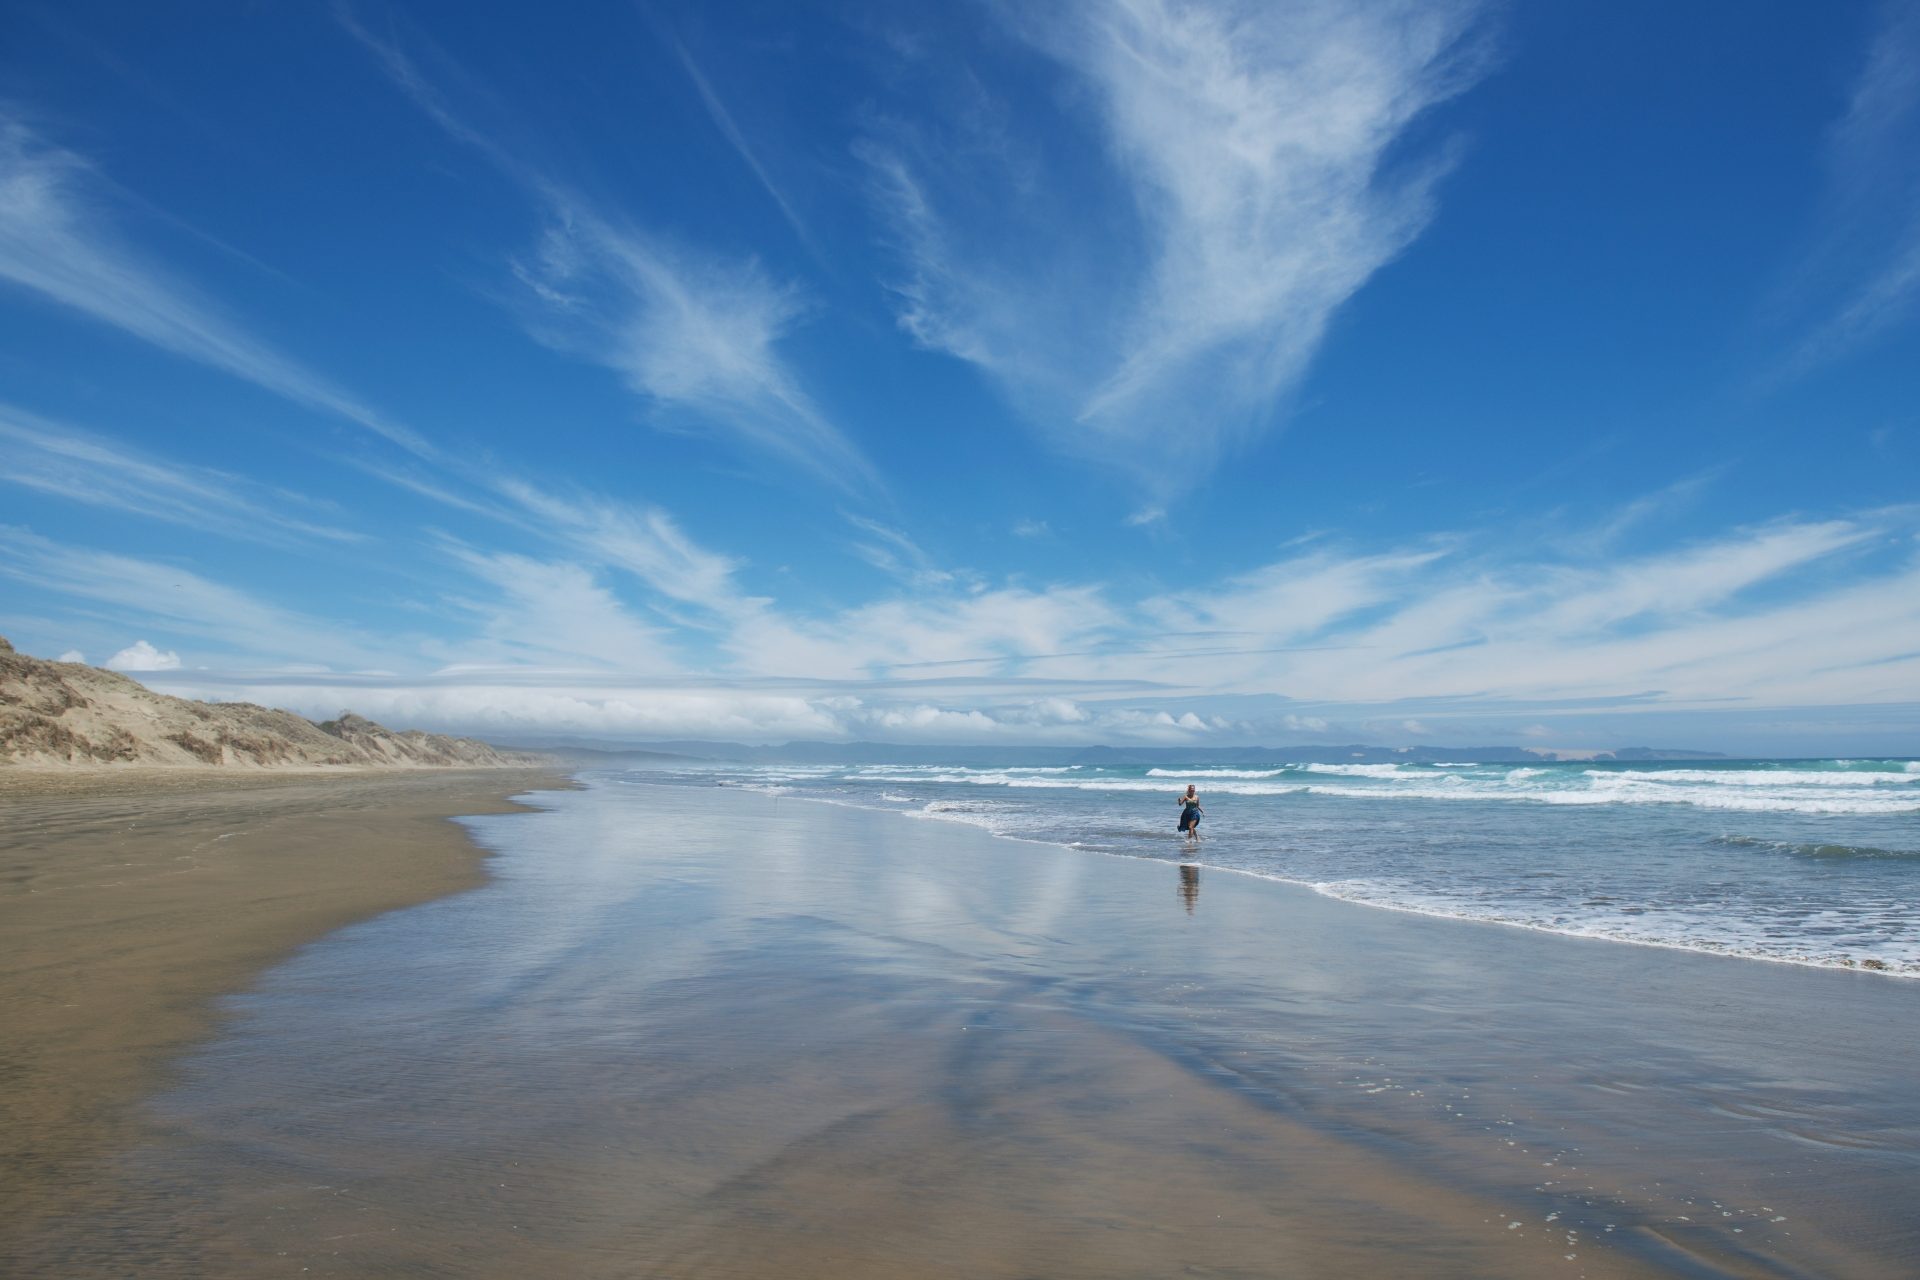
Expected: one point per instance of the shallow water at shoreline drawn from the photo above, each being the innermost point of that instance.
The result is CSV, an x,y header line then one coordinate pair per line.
x,y
768,1038
1802,862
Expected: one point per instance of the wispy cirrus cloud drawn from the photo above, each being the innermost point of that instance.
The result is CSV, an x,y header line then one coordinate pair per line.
x,y
1294,600
1449,618
1251,143
686,328
645,541
1863,276
1448,629
897,555
158,597
64,460
57,241
1003,630
1729,618
546,612
730,130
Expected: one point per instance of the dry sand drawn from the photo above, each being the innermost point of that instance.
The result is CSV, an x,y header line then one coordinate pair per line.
x,y
131,899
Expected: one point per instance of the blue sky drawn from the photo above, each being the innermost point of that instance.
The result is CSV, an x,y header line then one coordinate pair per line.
x,y
1132,372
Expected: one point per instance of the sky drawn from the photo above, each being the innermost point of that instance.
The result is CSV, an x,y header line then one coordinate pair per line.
x,y
1211,374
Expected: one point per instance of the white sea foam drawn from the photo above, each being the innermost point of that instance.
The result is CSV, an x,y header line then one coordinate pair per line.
x,y
995,817
1221,786
1361,770
1709,932
950,773
1811,849
1594,787
1215,773
897,776
1702,797
1762,777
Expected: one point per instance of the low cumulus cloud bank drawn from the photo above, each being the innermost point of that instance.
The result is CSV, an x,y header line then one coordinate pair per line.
x,y
623,625
141,656
507,711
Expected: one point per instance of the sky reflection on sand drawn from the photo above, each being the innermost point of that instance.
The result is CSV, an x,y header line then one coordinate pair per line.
x,y
773,1037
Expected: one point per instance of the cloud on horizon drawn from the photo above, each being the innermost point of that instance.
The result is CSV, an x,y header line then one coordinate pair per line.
x,y
1445,630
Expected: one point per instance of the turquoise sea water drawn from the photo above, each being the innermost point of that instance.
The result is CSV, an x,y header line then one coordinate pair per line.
x,y
1808,862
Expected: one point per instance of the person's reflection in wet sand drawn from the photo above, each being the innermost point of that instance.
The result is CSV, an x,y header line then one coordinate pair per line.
x,y
1189,886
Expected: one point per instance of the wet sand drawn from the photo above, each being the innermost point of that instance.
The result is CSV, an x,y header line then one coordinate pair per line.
x,y
688,1033
131,898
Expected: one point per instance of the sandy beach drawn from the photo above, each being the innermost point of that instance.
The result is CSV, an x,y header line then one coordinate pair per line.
x,y
133,898
781,1038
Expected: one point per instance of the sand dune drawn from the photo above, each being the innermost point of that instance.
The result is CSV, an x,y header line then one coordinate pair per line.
x,y
66,714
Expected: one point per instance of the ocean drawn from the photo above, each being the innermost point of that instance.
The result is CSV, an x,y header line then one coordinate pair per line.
x,y
1812,862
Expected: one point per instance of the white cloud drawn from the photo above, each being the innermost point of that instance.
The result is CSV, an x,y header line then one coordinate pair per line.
x,y
1010,628
1791,614
1251,141
542,611
895,554
173,598
1642,511
644,541
1295,599
730,130
686,328
476,704
64,460
72,655
1735,617
508,703
1864,275
141,656
1692,579
55,242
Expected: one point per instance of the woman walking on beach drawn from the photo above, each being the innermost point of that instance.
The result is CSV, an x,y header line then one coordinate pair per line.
x,y
1190,812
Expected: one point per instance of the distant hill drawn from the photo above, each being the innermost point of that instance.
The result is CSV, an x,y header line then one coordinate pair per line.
x,y
64,713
